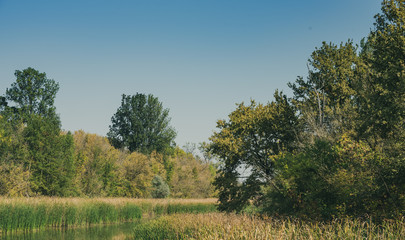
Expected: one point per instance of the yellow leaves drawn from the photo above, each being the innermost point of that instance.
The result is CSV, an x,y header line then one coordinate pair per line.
x,y
14,180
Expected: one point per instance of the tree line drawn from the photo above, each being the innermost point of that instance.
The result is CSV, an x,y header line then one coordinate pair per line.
x,y
138,158
336,148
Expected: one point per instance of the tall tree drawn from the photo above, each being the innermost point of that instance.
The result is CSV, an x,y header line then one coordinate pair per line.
x,y
141,124
33,92
30,104
383,106
383,109
247,145
326,98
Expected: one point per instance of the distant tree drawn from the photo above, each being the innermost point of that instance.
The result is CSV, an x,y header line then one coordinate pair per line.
x,y
141,124
160,189
96,165
192,176
33,93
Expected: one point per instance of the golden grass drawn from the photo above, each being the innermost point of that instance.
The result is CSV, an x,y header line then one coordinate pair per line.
x,y
115,201
232,226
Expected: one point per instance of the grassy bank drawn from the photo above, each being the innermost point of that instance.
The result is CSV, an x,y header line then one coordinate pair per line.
x,y
231,226
37,213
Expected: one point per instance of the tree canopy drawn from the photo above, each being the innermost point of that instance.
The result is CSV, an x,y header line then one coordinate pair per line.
x,y
42,152
141,124
33,92
336,148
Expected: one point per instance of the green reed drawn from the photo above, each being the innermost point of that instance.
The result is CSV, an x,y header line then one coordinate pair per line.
x,y
184,208
26,216
38,213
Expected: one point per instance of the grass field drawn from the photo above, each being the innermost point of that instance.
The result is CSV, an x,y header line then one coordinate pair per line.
x,y
232,226
36,213
179,219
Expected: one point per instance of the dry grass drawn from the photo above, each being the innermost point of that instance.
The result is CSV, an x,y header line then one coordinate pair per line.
x,y
231,226
115,201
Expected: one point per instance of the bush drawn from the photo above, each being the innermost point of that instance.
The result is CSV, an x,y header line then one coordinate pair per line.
x,y
160,189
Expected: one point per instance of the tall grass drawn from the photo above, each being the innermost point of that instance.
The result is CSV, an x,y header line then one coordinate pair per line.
x,y
231,226
26,216
163,209
41,212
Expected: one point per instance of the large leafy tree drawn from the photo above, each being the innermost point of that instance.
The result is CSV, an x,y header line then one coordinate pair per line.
x,y
326,98
29,105
349,156
383,105
51,157
247,145
33,93
383,108
141,124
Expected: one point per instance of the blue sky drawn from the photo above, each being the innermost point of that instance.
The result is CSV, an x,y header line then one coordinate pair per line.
x,y
199,58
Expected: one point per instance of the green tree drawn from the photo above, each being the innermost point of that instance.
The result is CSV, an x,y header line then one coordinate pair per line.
x,y
192,176
141,124
29,106
3,103
326,100
50,156
160,189
33,93
246,146
96,166
326,180
14,176
383,105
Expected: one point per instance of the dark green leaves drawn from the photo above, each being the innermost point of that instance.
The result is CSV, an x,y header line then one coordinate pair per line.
x,y
33,92
141,124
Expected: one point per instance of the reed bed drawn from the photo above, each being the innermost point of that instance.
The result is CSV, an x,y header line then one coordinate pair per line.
x,y
36,216
231,226
41,212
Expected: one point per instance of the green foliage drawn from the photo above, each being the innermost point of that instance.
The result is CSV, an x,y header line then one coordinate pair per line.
x,y
33,93
160,189
326,101
50,157
248,142
157,229
326,180
14,155
96,167
32,139
191,176
14,180
13,148
190,208
384,102
26,216
130,212
347,156
102,170
141,124
37,158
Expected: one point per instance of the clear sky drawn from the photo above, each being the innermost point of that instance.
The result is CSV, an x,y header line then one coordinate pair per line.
x,y
199,58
